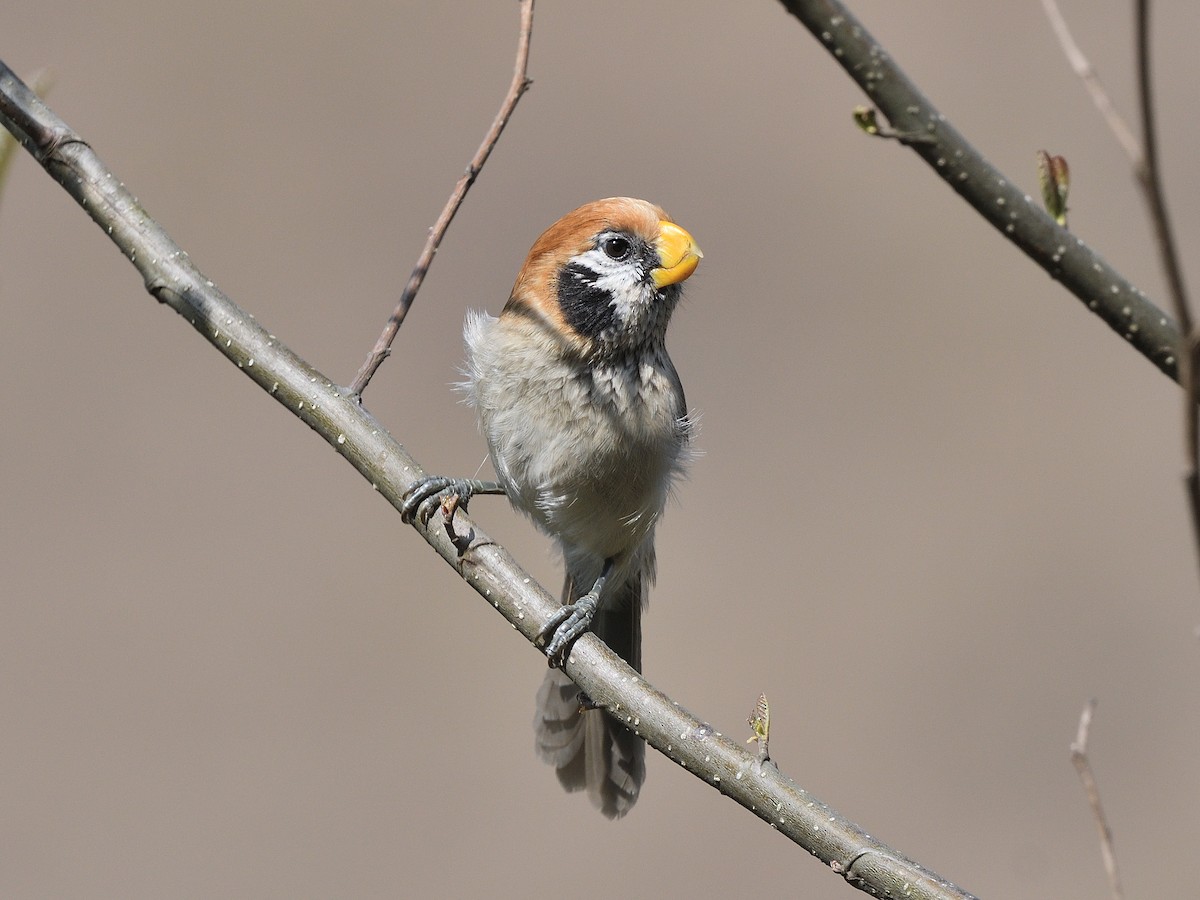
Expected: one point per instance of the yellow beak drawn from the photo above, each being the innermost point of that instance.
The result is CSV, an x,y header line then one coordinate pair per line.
x,y
678,254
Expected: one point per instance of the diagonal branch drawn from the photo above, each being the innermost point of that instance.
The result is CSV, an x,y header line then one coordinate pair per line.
x,y
520,84
334,413
1010,210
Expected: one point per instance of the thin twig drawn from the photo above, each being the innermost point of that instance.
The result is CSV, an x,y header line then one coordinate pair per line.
x,y
1150,177
520,84
1083,68
1079,759
1151,174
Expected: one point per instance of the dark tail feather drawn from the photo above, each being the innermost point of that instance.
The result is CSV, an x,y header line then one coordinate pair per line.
x,y
589,749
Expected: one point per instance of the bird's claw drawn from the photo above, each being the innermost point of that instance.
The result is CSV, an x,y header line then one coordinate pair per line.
x,y
420,500
565,626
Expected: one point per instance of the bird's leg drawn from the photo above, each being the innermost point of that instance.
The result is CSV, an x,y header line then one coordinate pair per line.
x,y
572,620
420,500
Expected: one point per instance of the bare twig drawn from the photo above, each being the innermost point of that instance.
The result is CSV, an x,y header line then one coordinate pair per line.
x,y
1148,172
1151,174
173,279
1083,68
520,84
1079,759
1150,177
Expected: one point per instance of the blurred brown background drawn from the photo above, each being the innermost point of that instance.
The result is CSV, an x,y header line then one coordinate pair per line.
x,y
226,668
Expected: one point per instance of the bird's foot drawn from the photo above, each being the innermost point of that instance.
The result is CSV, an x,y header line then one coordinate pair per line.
x,y
566,625
420,500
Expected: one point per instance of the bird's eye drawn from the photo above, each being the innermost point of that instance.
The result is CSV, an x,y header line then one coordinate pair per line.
x,y
616,248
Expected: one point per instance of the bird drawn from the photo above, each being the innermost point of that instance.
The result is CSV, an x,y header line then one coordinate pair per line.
x,y
587,429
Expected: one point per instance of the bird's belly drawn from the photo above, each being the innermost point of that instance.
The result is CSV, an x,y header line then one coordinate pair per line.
x,y
588,480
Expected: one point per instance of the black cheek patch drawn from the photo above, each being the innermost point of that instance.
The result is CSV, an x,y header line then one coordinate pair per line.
x,y
588,309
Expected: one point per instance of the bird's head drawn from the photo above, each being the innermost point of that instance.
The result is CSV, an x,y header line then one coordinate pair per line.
x,y
607,276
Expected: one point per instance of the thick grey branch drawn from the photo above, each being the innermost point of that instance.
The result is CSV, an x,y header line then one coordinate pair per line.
x,y
1013,212
331,411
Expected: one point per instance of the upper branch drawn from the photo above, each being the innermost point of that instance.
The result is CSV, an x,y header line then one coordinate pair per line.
x,y
1010,210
